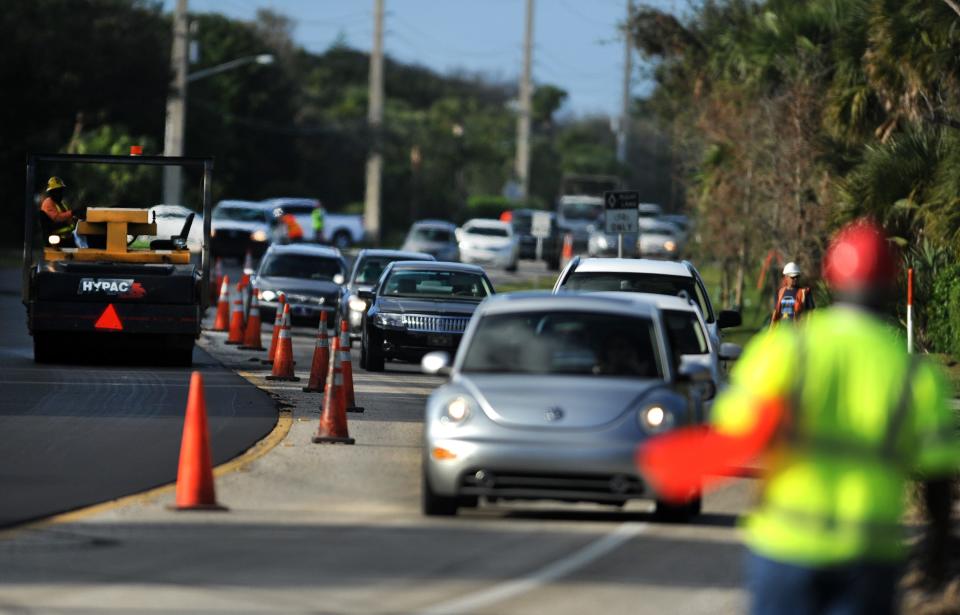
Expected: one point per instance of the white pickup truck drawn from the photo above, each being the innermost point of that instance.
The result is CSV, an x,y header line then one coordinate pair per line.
x,y
340,230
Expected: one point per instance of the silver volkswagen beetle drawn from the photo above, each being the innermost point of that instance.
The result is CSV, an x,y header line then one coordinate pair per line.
x,y
549,397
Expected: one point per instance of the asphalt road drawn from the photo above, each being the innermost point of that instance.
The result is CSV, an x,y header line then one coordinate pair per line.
x,y
337,529
75,435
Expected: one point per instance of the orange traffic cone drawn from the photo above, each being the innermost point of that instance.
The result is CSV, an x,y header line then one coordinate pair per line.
x,y
277,321
346,366
333,419
251,337
248,263
567,254
321,359
223,306
283,360
236,318
195,473
217,280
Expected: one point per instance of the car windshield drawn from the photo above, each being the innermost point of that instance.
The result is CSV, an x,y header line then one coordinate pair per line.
x,y
436,284
685,333
238,214
300,266
431,233
369,270
550,342
581,211
487,231
601,281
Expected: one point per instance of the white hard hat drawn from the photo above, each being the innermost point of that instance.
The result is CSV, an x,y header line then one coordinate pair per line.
x,y
791,269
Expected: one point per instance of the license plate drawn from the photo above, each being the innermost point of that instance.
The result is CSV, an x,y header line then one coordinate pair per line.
x,y
440,340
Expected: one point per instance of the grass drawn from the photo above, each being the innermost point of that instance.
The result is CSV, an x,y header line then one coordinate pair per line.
x,y
539,282
951,367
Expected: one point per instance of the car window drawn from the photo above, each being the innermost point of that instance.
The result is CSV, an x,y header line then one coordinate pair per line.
x,y
370,268
582,343
298,210
656,284
427,233
300,266
238,214
436,284
685,333
487,231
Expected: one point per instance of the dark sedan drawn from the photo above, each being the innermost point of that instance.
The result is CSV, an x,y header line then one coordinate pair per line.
x,y
419,307
308,275
367,268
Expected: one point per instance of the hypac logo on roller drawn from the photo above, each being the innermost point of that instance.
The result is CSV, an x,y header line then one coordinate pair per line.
x,y
129,289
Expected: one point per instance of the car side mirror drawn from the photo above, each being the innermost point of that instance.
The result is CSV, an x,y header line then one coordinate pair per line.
x,y
729,351
436,363
729,318
693,371
366,295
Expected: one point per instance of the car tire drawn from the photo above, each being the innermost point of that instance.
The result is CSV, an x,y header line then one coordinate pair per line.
x,y
512,268
44,350
554,264
678,513
372,353
434,505
341,240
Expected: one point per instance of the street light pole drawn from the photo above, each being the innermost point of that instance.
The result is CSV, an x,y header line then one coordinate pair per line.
x,y
176,106
176,121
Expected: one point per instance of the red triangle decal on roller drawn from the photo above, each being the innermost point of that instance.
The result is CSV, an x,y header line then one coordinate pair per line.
x,y
109,320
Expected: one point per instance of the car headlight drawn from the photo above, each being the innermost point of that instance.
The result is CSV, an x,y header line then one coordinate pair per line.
x,y
669,246
389,320
54,240
602,242
357,304
267,295
655,419
456,410
260,235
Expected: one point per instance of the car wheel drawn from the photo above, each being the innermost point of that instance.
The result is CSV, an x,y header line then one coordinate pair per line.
x,y
512,268
341,240
44,350
363,350
434,505
678,513
374,353
554,264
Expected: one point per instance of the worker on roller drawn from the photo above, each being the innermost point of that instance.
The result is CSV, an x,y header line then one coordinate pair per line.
x,y
839,418
793,300
61,221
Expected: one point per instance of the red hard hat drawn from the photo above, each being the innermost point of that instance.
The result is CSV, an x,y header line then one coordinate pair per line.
x,y
860,258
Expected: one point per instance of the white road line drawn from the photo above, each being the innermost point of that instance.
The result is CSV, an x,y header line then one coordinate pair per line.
x,y
558,569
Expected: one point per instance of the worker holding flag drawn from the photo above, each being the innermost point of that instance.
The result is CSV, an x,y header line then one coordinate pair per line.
x,y
841,418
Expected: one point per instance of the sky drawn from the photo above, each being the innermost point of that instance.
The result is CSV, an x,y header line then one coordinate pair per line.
x,y
577,43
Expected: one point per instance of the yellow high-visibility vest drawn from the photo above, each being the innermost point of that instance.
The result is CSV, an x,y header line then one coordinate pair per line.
x,y
865,418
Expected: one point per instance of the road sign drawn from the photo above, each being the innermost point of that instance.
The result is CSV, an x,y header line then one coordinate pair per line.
x,y
540,224
620,213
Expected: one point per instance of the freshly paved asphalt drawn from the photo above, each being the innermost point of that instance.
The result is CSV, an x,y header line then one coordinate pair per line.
x,y
75,435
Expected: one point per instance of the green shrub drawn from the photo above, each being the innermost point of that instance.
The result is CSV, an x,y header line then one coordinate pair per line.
x,y
943,317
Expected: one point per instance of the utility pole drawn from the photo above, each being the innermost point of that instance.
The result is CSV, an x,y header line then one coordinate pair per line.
x,y
176,105
623,129
371,204
522,166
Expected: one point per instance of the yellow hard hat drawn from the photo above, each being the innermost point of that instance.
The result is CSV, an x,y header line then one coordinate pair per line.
x,y
55,183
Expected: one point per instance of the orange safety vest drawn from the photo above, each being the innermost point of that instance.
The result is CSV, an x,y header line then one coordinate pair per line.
x,y
800,300
293,228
